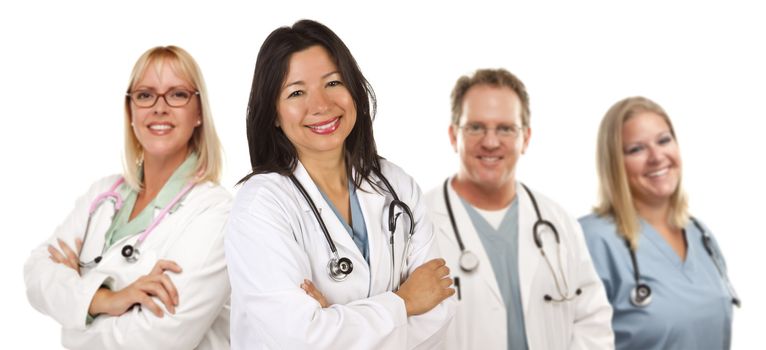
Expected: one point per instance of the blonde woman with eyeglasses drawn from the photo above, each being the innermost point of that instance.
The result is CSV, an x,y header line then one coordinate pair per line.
x,y
139,262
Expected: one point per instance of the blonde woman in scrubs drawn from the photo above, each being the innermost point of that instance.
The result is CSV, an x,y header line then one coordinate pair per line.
x,y
663,272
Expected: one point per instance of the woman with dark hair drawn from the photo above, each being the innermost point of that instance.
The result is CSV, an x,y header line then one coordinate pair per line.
x,y
321,211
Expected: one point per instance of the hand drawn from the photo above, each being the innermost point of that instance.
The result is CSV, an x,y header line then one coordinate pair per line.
x,y
312,291
155,284
428,286
69,257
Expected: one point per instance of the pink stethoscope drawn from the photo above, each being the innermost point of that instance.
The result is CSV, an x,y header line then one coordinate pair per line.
x,y
129,252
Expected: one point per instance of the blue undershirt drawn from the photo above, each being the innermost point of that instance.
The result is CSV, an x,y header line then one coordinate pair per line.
x,y
357,230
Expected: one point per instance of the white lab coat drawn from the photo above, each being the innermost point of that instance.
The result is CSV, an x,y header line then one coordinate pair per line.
x,y
192,236
273,242
480,321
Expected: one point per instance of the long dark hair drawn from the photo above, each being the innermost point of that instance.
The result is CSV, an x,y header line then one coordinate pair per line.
x,y
270,149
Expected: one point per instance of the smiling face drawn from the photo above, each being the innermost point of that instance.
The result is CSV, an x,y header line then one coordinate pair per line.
x,y
315,109
164,131
651,157
489,160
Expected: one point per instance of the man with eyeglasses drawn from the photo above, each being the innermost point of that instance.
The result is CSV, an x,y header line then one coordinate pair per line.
x,y
523,274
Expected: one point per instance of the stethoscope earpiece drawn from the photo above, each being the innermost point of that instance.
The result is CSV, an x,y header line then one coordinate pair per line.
x,y
641,295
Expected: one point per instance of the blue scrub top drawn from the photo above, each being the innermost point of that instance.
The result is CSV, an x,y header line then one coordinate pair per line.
x,y
502,248
358,228
691,306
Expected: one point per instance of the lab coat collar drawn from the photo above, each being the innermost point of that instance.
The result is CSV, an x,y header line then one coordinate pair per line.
x,y
529,256
470,239
339,235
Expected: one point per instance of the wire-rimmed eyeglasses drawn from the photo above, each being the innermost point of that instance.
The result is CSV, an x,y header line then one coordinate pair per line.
x,y
480,130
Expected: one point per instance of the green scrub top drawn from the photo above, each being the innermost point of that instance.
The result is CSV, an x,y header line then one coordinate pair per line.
x,y
122,227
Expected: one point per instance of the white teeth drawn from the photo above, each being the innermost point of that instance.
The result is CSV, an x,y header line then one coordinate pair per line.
x,y
324,127
658,172
160,127
490,159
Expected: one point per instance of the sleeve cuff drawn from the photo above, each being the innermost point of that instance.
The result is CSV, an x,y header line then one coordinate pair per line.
x,y
87,290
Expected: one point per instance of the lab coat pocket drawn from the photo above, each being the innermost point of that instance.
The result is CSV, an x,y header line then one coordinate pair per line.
x,y
125,273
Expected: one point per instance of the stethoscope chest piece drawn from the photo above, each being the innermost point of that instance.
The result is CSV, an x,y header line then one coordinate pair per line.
x,y
468,261
641,295
130,253
339,269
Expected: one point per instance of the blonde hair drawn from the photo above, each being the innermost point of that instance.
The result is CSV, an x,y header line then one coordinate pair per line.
x,y
204,140
615,198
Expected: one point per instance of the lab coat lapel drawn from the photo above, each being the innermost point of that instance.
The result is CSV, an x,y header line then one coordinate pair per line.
x,y
374,206
473,243
529,256
343,241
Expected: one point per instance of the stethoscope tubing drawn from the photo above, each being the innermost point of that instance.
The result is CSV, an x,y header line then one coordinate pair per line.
x,y
539,224
130,251
641,293
322,226
392,218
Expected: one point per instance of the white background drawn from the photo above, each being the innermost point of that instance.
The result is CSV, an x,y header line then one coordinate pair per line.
x,y
64,68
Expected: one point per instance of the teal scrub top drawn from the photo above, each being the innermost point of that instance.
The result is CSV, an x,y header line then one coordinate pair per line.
x,y
358,228
502,248
691,306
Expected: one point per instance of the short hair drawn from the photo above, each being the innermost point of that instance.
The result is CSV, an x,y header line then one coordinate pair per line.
x,y
204,140
492,77
615,198
270,149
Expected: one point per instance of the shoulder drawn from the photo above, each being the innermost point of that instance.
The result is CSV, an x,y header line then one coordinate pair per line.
x,y
546,204
598,225
99,187
261,189
400,180
212,192
600,231
105,183
393,172
699,224
695,224
434,196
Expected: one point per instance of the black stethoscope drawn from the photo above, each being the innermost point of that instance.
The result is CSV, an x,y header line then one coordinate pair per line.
x,y
340,267
469,261
641,294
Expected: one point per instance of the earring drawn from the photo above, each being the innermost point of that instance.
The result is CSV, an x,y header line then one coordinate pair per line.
x,y
140,160
199,122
